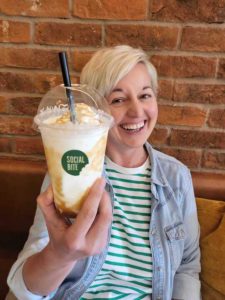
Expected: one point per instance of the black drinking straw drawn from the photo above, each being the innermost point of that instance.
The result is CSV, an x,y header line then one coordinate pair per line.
x,y
67,83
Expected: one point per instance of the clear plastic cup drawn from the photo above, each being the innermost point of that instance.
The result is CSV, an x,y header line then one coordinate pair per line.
x,y
74,151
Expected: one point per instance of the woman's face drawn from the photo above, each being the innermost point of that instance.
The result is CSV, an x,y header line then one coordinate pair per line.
x,y
134,107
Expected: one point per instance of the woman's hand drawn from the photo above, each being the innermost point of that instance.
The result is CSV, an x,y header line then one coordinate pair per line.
x,y
44,271
88,234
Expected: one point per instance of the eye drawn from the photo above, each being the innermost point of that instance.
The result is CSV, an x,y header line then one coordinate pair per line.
x,y
146,96
117,101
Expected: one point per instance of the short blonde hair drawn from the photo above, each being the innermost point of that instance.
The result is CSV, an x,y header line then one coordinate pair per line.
x,y
109,65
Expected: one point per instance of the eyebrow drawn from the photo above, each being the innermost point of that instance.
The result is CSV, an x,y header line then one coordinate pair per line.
x,y
121,90
117,90
147,87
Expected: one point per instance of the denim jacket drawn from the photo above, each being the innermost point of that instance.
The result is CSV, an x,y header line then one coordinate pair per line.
x,y
173,236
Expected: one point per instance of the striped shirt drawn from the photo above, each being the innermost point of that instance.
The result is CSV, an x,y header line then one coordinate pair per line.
x,y
127,270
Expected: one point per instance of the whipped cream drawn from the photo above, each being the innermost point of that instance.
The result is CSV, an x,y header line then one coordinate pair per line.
x,y
84,115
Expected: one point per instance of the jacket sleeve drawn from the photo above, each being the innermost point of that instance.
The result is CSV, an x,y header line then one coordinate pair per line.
x,y
186,280
37,240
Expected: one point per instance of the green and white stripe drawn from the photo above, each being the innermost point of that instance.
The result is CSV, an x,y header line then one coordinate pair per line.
x,y
127,270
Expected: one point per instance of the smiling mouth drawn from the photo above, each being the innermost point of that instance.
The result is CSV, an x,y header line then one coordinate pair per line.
x,y
133,127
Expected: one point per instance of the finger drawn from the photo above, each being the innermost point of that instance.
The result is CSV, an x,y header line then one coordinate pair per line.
x,y
98,233
46,203
46,200
89,209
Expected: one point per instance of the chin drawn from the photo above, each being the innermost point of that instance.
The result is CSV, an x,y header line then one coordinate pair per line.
x,y
135,141
134,144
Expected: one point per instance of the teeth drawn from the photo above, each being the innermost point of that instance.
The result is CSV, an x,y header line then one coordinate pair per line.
x,y
133,126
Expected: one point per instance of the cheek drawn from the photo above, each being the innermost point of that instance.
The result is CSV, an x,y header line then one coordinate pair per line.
x,y
117,115
153,111
113,134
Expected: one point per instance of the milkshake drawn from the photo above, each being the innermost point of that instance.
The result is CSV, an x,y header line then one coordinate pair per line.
x,y
74,151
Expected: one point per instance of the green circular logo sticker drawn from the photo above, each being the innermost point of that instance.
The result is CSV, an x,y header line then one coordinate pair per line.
x,y
74,161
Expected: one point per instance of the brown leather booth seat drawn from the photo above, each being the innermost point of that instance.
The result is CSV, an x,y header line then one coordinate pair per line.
x,y
20,185
209,185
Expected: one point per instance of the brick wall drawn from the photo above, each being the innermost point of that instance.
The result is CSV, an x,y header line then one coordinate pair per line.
x,y
186,43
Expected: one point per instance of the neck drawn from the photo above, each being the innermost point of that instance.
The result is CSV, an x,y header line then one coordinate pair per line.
x,y
131,158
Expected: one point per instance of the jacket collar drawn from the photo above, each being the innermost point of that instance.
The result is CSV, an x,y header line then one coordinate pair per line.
x,y
157,176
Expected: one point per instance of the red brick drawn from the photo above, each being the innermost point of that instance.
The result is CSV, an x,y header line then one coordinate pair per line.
x,y
191,158
74,34
24,105
211,10
29,145
35,8
159,136
203,39
15,82
165,89
214,160
16,125
199,93
216,118
144,36
80,58
28,82
181,116
221,70
174,10
5,144
184,66
197,139
14,32
44,82
113,9
3,104
183,11
29,58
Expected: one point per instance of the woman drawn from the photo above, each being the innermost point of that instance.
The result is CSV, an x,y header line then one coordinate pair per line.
x,y
147,246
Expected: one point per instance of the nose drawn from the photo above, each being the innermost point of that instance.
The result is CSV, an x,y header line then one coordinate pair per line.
x,y
135,107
